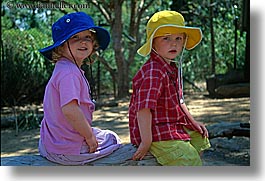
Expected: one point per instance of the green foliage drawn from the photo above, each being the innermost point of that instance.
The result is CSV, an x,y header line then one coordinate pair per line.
x,y
24,72
197,62
28,120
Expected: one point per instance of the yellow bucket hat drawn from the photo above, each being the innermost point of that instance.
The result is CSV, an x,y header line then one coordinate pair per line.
x,y
169,22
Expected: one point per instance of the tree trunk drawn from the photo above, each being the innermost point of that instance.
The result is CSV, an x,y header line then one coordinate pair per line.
x,y
212,36
113,13
117,29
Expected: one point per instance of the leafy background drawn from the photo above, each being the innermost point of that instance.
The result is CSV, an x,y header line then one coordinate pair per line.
x,y
24,72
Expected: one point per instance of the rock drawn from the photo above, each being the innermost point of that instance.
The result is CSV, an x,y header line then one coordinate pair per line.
x,y
225,151
228,148
224,129
231,84
228,152
233,90
26,160
120,157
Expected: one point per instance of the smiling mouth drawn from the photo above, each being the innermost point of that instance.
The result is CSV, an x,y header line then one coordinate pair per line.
x,y
82,49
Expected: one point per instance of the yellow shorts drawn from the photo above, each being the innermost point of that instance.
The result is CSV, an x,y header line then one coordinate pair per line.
x,y
180,153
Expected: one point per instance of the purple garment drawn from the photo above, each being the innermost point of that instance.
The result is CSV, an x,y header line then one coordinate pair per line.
x,y
57,136
108,141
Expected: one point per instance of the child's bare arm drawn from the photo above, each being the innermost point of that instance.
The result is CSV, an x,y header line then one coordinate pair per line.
x,y
200,126
76,118
144,118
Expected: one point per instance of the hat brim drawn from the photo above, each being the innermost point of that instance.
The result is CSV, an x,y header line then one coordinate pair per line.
x,y
102,34
194,38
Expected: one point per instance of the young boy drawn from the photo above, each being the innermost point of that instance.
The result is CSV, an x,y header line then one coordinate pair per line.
x,y
159,120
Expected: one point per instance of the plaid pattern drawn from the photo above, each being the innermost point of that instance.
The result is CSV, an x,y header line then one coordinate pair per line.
x,y
155,87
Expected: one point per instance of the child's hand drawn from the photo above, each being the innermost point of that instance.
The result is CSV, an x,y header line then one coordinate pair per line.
x,y
141,151
92,144
202,129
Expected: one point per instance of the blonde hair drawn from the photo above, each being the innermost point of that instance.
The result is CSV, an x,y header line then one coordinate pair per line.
x,y
57,53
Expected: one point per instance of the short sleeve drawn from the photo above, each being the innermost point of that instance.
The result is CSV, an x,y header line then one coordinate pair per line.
x,y
69,88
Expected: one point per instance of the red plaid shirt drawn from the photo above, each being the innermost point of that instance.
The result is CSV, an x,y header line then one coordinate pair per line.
x,y
155,87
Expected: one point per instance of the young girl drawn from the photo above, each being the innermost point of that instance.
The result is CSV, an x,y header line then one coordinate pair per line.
x,y
159,120
66,134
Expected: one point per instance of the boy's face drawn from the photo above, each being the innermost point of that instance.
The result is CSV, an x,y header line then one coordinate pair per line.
x,y
169,46
81,45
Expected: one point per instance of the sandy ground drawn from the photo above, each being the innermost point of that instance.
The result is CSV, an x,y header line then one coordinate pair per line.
x,y
203,108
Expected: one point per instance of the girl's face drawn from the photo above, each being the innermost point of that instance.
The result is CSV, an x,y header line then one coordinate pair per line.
x,y
169,46
81,45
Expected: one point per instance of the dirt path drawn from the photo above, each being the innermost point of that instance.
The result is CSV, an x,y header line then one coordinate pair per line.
x,y
204,109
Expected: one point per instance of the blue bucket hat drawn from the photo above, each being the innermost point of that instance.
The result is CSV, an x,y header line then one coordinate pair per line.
x,y
69,25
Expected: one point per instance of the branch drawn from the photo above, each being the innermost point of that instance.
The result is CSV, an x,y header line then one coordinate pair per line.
x,y
103,8
142,8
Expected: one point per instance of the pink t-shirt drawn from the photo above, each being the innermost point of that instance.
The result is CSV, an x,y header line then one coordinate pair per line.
x,y
65,85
